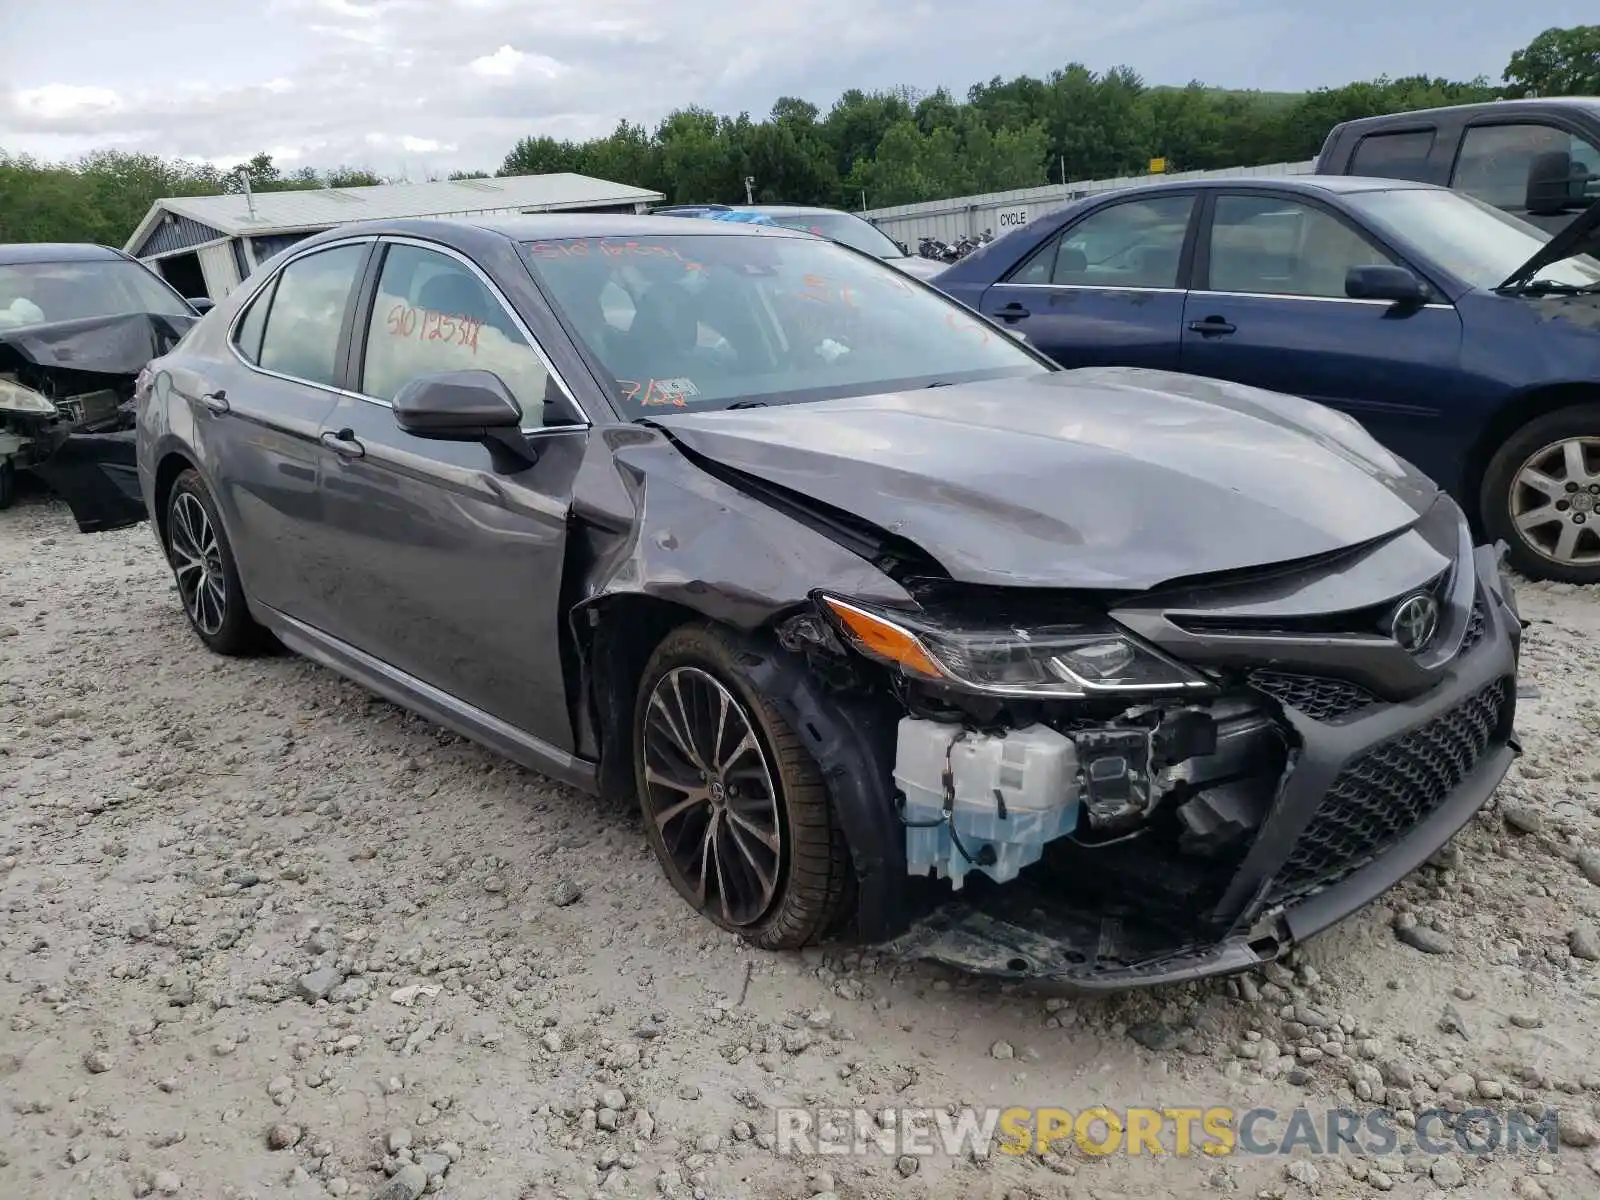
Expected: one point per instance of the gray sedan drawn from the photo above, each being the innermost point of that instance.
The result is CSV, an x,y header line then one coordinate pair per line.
x,y
888,625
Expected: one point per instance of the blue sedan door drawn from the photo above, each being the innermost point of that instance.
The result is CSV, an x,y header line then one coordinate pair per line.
x,y
1106,290
1268,308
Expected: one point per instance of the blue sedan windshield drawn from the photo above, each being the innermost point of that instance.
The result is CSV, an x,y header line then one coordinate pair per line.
x,y
1473,240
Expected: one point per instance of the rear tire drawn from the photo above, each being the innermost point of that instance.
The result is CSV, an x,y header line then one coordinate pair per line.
x,y
207,577
777,865
1541,496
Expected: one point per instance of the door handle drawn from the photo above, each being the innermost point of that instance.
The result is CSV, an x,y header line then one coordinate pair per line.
x,y
1011,312
343,443
217,402
1212,327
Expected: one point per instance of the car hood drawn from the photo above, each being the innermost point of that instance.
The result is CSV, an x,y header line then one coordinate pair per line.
x,y
117,345
1582,236
1102,478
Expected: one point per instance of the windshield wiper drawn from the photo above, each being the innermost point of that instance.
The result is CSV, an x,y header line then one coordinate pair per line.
x,y
748,404
1550,287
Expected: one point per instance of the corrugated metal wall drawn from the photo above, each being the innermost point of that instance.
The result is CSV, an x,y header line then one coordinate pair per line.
x,y
1001,212
176,233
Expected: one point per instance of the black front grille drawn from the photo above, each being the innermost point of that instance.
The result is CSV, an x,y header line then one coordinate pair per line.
x,y
1477,626
1388,791
1318,698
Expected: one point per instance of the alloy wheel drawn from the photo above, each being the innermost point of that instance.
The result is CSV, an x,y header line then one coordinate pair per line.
x,y
710,791
197,564
1555,501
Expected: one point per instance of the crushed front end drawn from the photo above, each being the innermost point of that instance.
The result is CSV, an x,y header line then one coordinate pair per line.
x,y
67,408
1189,781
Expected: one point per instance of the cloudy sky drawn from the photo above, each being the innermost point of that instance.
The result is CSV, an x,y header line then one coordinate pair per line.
x,y
432,85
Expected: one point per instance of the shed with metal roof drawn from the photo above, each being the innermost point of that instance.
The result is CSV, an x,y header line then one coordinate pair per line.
x,y
207,245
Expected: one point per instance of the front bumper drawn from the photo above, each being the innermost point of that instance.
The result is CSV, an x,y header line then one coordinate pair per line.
x,y
1369,796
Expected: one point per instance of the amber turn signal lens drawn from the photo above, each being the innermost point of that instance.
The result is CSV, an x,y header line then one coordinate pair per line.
x,y
884,639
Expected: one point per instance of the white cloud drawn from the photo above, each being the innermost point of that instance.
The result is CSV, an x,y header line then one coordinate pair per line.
x,y
66,101
508,61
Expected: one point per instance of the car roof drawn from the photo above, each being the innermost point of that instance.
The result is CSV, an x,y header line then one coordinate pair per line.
x,y
540,226
1581,103
49,252
1276,183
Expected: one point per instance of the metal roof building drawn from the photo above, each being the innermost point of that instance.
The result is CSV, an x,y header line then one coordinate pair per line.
x,y
206,245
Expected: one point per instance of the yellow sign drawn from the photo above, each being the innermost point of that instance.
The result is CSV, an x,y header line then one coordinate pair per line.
x,y
1158,166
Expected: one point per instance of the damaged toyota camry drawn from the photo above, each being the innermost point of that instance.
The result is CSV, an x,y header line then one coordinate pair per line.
x,y
892,629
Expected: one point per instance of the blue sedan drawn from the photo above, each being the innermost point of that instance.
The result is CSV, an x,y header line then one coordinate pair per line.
x,y
1464,339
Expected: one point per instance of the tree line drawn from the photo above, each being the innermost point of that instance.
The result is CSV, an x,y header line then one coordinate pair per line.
x,y
870,149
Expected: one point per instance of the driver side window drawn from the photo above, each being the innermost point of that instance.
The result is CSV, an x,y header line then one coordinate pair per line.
x,y
433,314
1267,245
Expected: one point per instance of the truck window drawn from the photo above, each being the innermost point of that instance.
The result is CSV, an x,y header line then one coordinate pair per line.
x,y
1494,161
1394,155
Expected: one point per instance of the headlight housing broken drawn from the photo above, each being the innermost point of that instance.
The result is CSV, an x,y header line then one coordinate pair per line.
x,y
16,398
1066,661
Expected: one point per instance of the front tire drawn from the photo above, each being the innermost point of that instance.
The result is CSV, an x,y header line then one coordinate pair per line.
x,y
733,804
1541,495
203,566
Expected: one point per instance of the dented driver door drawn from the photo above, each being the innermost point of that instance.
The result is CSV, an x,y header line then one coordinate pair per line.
x,y
445,557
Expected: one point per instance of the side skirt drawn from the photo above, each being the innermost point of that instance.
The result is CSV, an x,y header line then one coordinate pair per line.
x,y
428,701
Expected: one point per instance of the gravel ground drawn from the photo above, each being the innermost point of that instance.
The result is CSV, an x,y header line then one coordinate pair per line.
x,y
262,934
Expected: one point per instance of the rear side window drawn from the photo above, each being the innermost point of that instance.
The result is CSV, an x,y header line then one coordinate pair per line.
x,y
308,307
1134,244
1394,155
248,335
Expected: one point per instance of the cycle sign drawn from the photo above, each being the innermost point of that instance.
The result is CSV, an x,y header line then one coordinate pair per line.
x,y
1008,219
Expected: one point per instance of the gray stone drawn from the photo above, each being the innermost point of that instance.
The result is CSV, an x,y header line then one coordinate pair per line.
x,y
405,1184
1584,942
1589,864
1304,1173
1002,1050
1522,818
1154,1035
564,893
1429,941
1446,1172
282,1136
433,1163
316,985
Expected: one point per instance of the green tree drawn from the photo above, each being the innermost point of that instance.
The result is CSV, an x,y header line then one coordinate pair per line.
x,y
1559,62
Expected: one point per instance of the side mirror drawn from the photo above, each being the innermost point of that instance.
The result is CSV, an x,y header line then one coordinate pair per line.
x,y
462,406
201,304
1550,179
1395,284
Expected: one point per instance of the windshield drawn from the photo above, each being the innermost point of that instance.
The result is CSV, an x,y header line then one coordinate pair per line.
x,y
1473,240
42,293
705,321
842,227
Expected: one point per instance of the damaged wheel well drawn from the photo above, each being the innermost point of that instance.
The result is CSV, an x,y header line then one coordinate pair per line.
x,y
616,636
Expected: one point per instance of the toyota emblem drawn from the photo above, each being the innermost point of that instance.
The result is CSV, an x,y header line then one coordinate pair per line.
x,y
1414,622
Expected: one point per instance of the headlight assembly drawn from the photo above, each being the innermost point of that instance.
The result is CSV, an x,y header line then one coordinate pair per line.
x,y
16,398
1068,661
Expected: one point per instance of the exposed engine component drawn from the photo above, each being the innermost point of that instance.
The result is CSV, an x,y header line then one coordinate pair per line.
x,y
990,801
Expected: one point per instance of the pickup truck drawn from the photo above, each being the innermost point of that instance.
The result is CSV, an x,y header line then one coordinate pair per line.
x,y
1536,159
